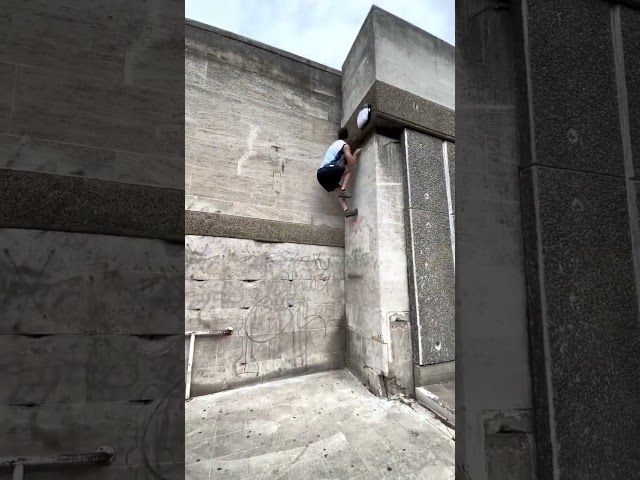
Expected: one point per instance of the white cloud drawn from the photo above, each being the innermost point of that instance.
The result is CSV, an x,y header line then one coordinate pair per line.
x,y
321,30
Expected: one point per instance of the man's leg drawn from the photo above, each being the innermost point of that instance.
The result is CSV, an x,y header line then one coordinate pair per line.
x,y
348,174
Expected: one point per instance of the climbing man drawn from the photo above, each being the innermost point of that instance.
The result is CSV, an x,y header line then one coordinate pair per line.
x,y
337,169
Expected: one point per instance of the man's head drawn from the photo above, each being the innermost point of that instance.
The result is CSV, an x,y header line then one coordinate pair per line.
x,y
343,134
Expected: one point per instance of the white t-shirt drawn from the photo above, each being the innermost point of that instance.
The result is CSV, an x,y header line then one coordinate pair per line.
x,y
334,153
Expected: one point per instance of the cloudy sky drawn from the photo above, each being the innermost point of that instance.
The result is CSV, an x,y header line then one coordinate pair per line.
x,y
321,30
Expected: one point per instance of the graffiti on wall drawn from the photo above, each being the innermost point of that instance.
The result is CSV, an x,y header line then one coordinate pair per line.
x,y
276,295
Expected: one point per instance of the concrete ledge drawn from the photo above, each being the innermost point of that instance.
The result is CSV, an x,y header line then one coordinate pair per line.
x,y
440,401
425,375
42,201
220,225
396,108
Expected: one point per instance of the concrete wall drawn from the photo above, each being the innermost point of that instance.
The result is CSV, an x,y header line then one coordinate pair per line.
x,y
67,354
258,122
284,301
377,302
414,60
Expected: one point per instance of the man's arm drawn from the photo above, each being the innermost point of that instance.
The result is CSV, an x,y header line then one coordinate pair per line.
x,y
351,157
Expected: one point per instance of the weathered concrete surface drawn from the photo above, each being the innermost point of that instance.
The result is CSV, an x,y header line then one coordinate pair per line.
x,y
284,301
312,427
219,225
257,156
376,291
41,200
82,368
93,108
492,364
392,51
429,237
436,373
440,398
580,219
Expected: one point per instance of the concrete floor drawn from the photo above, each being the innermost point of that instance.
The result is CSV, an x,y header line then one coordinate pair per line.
x,y
321,426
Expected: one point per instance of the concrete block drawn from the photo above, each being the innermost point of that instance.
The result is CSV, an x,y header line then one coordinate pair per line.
x,y
394,286
112,285
509,455
400,378
50,369
281,293
114,117
574,138
154,56
390,159
156,360
431,277
203,295
425,375
73,427
215,319
195,67
26,153
154,170
78,368
390,204
358,69
58,38
413,60
426,173
386,50
583,314
204,204
217,185
376,354
325,341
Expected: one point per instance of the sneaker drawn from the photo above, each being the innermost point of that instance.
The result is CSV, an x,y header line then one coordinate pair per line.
x,y
351,213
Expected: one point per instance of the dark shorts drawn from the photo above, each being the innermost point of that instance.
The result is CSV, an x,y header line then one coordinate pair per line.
x,y
329,177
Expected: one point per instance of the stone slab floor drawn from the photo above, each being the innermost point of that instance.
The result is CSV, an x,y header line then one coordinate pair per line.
x,y
320,426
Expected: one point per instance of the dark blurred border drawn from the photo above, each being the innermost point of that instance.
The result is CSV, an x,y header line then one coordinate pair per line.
x,y
547,331
92,235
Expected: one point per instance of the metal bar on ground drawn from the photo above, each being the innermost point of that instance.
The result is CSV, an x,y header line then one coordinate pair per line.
x,y
226,331
102,456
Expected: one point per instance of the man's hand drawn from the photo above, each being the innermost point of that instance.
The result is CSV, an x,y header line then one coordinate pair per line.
x,y
357,152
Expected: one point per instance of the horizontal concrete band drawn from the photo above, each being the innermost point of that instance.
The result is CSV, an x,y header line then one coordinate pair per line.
x,y
42,201
393,107
220,225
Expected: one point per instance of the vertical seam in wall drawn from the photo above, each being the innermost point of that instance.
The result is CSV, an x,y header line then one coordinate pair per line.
x,y
623,109
413,250
386,334
447,178
13,97
555,447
